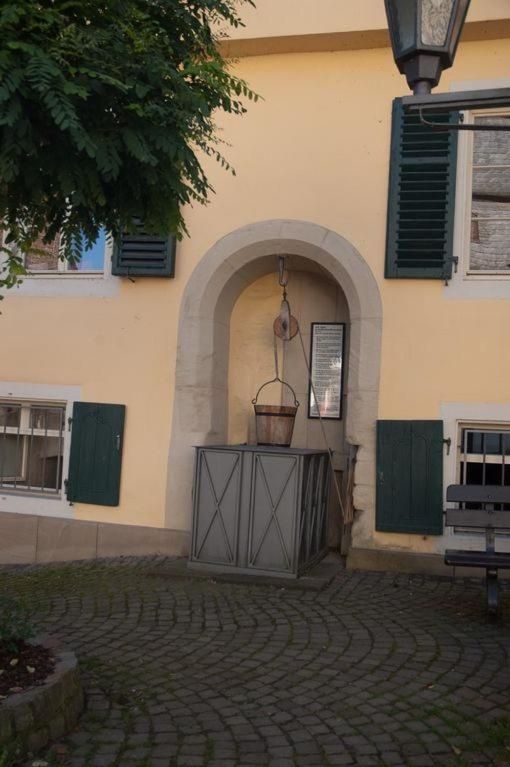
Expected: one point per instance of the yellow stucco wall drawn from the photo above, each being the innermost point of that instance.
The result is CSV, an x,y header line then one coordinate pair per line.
x,y
315,148
272,18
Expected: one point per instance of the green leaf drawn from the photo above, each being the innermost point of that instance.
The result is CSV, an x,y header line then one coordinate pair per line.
x,y
106,115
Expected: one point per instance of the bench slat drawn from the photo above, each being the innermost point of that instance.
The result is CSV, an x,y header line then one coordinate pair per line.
x,y
478,494
477,559
478,518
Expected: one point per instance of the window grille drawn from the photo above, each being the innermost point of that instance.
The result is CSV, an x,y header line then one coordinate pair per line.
x,y
485,458
31,447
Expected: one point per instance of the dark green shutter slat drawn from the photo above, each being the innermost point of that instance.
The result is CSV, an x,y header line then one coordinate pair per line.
x,y
144,255
410,477
421,202
96,453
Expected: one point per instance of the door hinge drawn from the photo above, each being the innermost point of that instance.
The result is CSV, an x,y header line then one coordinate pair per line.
x,y
69,424
448,443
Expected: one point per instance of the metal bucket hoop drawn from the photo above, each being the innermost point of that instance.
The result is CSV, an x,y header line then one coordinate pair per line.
x,y
275,380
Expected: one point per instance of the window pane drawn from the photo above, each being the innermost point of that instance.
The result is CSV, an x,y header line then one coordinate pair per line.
x,y
491,148
490,245
491,188
46,258
92,258
474,442
490,219
474,474
11,457
9,415
492,443
46,418
44,464
494,474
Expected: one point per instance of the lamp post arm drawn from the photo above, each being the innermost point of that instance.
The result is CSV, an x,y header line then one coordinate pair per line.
x,y
458,100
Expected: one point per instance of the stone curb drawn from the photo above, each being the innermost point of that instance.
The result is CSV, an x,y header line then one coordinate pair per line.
x,y
32,719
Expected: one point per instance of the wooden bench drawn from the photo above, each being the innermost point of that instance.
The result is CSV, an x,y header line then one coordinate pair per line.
x,y
484,516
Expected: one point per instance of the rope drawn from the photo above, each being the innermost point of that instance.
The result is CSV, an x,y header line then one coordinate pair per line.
x,y
283,279
277,374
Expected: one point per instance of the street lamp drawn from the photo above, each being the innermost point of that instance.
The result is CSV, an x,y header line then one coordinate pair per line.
x,y
424,37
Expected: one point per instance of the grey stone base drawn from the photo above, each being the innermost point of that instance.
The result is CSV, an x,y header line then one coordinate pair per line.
x,y
32,719
315,579
30,539
381,560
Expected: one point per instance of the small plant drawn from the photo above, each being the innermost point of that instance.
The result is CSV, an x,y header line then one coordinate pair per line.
x,y
15,626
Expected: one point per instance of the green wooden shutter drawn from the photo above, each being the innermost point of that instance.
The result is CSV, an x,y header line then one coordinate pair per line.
x,y
410,477
96,453
421,202
144,255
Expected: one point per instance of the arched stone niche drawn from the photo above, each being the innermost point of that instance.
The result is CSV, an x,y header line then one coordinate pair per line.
x,y
200,414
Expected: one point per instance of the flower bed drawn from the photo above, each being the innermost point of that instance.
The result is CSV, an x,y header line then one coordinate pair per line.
x,y
31,719
24,666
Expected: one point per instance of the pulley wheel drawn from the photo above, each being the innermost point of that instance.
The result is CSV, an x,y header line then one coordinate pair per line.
x,y
281,331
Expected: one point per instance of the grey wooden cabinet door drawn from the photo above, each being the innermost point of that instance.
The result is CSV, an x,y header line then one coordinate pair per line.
x,y
217,506
273,503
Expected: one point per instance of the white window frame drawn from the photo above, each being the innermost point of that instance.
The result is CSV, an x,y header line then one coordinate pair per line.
x,y
466,204
482,426
455,416
63,266
466,284
68,284
25,502
22,432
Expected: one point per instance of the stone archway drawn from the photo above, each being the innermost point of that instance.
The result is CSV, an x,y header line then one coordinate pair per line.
x,y
200,400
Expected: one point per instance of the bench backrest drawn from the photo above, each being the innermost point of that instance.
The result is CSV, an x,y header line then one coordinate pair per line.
x,y
483,496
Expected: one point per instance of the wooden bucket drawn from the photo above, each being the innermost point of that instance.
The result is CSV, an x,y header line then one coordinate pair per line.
x,y
275,423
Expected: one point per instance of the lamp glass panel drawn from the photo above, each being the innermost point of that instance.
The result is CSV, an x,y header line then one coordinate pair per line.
x,y
435,21
403,24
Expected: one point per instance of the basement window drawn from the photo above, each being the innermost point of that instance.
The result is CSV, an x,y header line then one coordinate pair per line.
x,y
484,457
31,447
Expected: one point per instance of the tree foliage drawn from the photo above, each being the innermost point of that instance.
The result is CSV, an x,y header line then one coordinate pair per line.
x,y
105,109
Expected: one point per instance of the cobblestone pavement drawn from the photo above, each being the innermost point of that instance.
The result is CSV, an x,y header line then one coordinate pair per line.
x,y
374,670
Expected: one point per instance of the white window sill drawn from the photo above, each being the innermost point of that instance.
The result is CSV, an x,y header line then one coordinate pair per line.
x,y
38,505
65,275
487,286
66,285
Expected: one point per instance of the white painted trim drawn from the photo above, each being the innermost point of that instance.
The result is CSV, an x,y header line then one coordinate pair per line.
x,y
464,285
453,414
27,504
